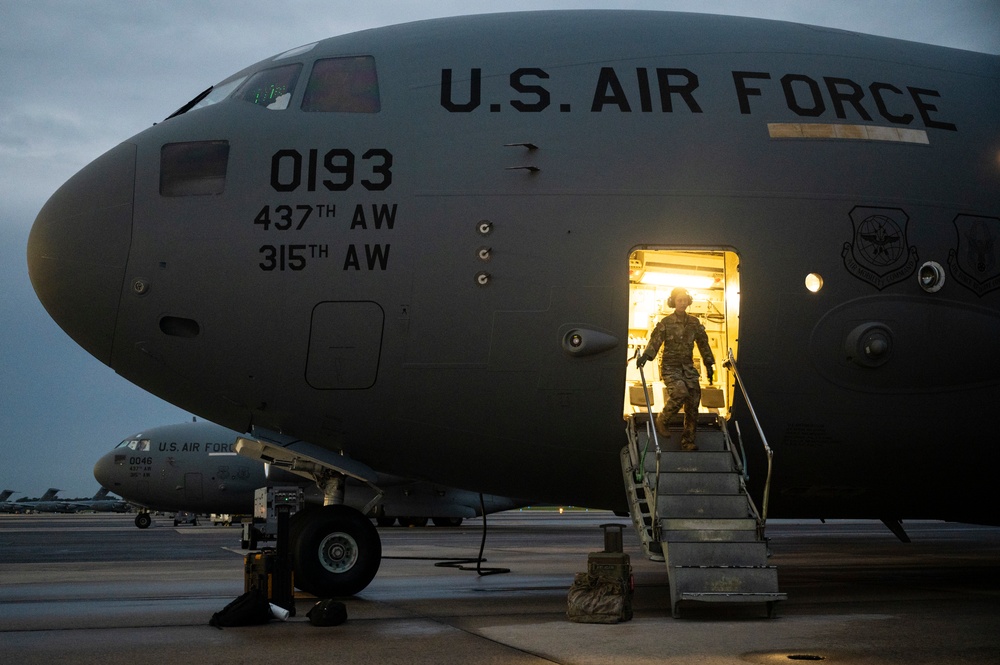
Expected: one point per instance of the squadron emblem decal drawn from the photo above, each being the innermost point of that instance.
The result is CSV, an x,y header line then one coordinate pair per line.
x,y
974,263
879,253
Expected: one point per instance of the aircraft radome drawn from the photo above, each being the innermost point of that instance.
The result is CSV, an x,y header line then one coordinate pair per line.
x,y
432,249
194,467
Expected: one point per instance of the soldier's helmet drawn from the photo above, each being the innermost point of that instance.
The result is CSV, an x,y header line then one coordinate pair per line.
x,y
675,294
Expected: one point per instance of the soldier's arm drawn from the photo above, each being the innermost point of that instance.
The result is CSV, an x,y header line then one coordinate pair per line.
x,y
655,341
707,357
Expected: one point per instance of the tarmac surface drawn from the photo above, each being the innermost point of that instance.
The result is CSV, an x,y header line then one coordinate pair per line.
x,y
95,589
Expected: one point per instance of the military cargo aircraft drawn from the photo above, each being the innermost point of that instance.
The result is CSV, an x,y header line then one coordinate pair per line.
x,y
102,503
7,506
433,249
47,503
194,467
51,503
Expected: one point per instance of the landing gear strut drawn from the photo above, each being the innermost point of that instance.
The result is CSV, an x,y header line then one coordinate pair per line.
x,y
335,550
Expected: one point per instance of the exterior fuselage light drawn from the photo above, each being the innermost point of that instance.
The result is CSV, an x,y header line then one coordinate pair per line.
x,y
931,276
814,282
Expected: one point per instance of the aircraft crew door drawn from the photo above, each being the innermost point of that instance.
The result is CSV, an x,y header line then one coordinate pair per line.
x,y
712,279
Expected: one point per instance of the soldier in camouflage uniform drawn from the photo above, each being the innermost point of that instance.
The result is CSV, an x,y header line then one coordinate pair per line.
x,y
677,333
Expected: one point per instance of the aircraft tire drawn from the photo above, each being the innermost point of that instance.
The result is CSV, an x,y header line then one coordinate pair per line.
x,y
143,520
335,552
385,521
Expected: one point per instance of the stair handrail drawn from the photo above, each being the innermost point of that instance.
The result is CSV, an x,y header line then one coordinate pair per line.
x,y
730,364
650,429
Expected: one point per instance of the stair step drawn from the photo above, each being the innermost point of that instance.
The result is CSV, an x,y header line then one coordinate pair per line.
x,y
691,462
716,553
708,482
706,442
715,506
708,536
670,524
769,598
755,597
706,421
734,580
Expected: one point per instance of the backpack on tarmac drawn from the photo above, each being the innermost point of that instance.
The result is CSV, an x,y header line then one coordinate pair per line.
x,y
250,609
599,599
327,613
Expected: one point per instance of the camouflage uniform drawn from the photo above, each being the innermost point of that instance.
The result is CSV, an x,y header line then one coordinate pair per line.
x,y
678,337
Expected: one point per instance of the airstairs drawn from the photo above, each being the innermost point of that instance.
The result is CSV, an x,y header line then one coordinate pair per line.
x,y
692,510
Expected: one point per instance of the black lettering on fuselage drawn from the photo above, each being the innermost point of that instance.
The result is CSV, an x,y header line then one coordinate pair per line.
x,y
377,257
219,447
804,96
877,89
925,108
744,92
475,92
685,90
542,95
792,100
852,95
281,179
609,91
381,215
341,168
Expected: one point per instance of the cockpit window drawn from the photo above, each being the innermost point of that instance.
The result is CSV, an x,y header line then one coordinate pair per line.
x,y
218,93
271,88
195,168
210,96
345,85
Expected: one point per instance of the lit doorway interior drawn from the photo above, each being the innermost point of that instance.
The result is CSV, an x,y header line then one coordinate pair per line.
x,y
712,279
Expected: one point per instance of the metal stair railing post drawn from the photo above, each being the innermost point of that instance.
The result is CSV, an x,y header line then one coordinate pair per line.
x,y
731,365
650,429
744,477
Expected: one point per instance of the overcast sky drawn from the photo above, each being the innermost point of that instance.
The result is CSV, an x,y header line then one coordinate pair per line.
x,y
78,77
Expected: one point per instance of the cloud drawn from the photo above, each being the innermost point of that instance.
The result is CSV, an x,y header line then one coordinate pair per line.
x,y
40,146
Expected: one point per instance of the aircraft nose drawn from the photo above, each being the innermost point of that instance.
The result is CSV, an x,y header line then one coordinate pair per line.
x,y
78,248
104,471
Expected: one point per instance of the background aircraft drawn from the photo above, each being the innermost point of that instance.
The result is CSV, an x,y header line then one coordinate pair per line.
x,y
5,505
402,250
102,503
48,503
194,467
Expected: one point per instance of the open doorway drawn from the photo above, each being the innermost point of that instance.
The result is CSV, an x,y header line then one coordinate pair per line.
x,y
712,279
